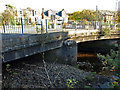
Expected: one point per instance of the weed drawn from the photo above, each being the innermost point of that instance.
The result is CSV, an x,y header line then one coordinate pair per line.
x,y
71,83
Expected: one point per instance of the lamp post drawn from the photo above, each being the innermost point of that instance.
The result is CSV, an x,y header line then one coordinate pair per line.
x,y
115,15
119,15
96,17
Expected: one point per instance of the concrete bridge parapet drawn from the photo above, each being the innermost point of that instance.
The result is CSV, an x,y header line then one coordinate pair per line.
x,y
91,35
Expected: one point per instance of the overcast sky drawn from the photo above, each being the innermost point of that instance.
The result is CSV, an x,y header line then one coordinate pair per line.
x,y
68,5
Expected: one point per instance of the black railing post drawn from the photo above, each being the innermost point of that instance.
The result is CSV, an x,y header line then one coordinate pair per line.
x,y
4,25
46,26
22,25
62,27
42,27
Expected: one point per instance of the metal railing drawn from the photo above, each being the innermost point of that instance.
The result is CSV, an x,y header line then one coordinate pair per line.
x,y
88,25
25,26
28,26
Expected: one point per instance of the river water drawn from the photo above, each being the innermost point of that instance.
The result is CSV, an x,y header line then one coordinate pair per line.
x,y
87,54
89,61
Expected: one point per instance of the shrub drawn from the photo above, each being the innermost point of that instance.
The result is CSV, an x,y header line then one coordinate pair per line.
x,y
12,22
105,24
18,23
105,31
112,61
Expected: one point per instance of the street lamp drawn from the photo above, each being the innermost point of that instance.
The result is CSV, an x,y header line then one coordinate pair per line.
x,y
115,15
96,16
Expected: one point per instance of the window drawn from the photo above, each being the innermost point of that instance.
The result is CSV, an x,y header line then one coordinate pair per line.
x,y
20,12
33,12
106,17
109,22
111,17
30,20
52,17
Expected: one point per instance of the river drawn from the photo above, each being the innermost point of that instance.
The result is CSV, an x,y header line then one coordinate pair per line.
x,y
89,61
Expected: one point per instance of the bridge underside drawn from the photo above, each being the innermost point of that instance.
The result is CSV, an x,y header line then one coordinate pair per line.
x,y
98,46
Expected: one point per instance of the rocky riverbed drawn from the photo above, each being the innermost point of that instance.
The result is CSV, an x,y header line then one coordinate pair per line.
x,y
50,75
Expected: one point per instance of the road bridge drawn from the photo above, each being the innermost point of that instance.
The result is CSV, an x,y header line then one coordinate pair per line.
x,y
61,45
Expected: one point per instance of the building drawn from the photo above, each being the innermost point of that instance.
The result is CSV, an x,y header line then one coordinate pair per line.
x,y
57,16
32,15
28,15
108,16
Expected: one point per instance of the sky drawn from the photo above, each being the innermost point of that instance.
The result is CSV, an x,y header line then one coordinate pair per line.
x,y
69,5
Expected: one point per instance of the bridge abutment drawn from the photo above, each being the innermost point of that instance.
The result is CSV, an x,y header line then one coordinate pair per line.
x,y
67,54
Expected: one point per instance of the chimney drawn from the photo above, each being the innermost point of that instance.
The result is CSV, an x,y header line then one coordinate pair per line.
x,y
62,9
42,13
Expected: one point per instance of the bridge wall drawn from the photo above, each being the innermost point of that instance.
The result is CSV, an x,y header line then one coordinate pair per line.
x,y
91,35
55,44
19,46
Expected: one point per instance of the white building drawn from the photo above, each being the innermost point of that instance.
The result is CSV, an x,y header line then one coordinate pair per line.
x,y
29,15
58,16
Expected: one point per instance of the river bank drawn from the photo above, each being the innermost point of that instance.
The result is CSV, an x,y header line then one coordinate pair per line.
x,y
53,75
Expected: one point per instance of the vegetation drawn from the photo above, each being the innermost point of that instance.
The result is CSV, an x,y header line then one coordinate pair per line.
x,y
83,15
9,14
118,16
105,31
112,63
71,83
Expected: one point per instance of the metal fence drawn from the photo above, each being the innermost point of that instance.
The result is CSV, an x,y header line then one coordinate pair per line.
x,y
25,26
29,26
88,25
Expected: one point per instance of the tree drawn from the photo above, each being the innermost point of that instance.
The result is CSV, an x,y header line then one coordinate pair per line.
x,y
84,14
118,16
9,14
